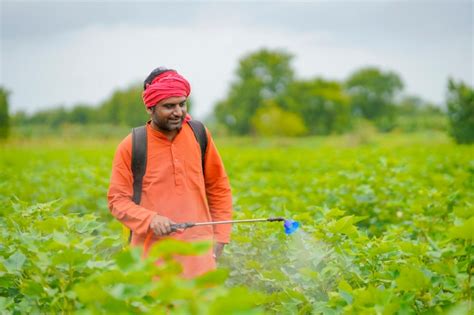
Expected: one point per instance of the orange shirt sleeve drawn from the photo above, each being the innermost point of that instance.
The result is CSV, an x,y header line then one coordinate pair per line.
x,y
120,192
218,192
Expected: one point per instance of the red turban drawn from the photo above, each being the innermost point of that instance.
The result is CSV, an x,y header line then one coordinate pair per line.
x,y
168,84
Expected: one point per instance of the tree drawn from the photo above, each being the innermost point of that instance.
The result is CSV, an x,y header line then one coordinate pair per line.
x,y
323,105
460,103
54,117
4,116
125,107
19,118
261,76
82,114
373,95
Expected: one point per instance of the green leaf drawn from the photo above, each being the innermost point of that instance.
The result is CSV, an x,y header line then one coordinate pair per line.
x,y
237,301
464,231
412,278
51,292
5,303
72,257
170,247
99,264
343,285
345,225
334,213
464,212
212,278
415,249
91,293
61,238
15,262
371,296
32,288
127,258
345,291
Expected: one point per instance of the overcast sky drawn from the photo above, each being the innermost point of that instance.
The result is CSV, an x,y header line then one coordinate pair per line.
x,y
63,53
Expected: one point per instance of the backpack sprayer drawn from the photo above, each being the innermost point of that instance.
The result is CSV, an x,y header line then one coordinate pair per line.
x,y
290,226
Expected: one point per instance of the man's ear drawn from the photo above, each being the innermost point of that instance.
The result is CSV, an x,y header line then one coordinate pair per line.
x,y
149,110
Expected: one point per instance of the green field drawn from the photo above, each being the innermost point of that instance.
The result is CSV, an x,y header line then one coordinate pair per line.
x,y
387,228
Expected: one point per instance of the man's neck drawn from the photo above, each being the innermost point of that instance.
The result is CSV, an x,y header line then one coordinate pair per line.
x,y
170,134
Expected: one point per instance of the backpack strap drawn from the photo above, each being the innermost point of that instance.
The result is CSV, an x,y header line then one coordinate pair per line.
x,y
201,136
139,150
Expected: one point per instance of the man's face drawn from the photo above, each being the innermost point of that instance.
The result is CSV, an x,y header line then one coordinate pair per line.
x,y
169,114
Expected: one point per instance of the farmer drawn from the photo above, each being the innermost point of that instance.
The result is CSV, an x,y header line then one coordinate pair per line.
x,y
180,184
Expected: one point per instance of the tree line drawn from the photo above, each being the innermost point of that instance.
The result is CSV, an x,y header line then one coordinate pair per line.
x,y
266,98
121,108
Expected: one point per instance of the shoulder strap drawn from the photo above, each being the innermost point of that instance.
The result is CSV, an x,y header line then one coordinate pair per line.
x,y
201,137
139,149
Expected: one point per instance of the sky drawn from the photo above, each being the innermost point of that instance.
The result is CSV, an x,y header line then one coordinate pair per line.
x,y
57,53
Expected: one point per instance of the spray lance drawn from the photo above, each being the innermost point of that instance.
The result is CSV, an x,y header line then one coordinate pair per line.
x,y
290,226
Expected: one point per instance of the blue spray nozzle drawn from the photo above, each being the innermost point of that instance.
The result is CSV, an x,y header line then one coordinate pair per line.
x,y
291,226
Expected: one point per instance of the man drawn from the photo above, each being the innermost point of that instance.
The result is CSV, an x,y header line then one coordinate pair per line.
x,y
177,186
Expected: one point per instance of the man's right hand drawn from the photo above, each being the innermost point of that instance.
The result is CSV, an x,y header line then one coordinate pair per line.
x,y
160,225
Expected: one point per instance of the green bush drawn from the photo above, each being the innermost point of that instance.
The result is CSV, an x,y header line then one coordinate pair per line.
x,y
322,104
460,103
4,115
271,120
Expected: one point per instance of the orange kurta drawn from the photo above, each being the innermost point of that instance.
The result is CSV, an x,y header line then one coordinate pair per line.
x,y
174,186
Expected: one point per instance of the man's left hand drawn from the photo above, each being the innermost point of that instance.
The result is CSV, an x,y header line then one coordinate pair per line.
x,y
218,248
